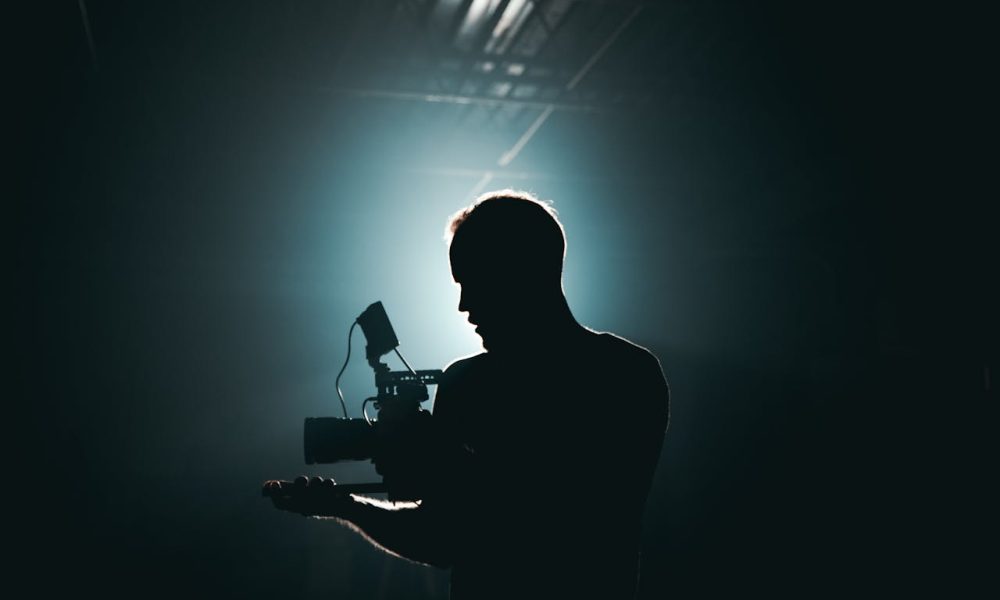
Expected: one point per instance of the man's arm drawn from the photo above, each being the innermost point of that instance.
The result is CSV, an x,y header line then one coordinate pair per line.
x,y
416,531
404,529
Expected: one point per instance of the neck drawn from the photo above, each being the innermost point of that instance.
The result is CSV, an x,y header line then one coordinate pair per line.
x,y
549,327
555,316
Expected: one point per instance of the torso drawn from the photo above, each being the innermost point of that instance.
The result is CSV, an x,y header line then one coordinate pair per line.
x,y
560,471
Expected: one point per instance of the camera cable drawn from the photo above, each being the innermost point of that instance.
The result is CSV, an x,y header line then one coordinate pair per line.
x,y
340,394
408,367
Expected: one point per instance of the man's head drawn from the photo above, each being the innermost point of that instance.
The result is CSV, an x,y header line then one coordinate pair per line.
x,y
507,254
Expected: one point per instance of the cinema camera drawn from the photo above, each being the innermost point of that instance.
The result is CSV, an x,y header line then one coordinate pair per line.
x,y
397,404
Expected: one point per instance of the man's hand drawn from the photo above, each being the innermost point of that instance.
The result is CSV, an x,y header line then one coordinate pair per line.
x,y
317,497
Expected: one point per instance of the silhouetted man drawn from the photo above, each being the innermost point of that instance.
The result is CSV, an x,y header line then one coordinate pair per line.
x,y
542,448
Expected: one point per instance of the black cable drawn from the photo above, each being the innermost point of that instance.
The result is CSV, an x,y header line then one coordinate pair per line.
x,y
340,394
404,361
365,412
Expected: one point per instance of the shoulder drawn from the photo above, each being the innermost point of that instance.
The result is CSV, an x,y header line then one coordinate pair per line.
x,y
650,384
457,378
629,357
618,348
461,368
462,372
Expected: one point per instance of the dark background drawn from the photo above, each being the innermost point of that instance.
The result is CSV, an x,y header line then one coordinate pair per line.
x,y
795,220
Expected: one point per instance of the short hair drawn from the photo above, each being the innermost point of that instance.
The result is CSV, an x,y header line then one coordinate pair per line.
x,y
511,230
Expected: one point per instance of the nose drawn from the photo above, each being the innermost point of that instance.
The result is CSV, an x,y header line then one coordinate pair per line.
x,y
463,300
469,303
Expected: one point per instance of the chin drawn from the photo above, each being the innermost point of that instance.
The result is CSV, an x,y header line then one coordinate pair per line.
x,y
494,345
492,341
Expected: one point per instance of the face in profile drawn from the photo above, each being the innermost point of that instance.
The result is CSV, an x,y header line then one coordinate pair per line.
x,y
498,307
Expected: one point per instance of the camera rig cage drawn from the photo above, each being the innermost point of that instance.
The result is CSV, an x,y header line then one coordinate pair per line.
x,y
398,396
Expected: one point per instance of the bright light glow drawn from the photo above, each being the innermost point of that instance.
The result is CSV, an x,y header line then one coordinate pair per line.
x,y
509,24
509,15
479,11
